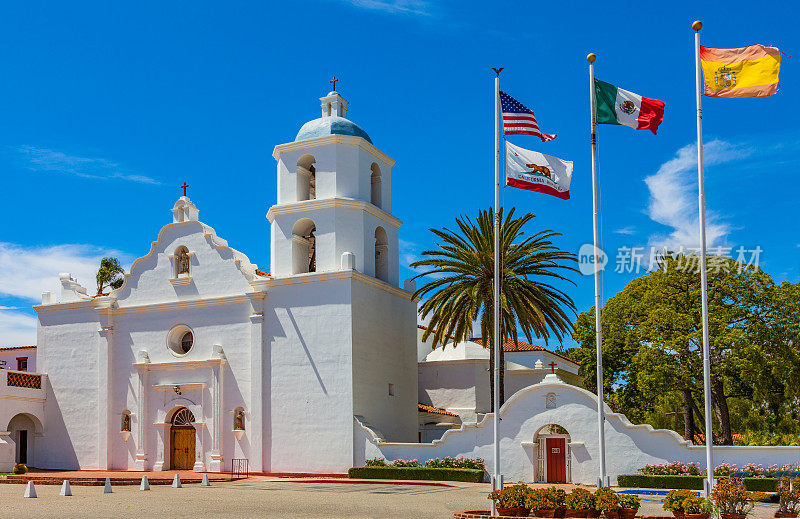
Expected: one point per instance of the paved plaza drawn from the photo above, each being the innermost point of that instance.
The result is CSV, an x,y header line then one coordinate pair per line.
x,y
257,497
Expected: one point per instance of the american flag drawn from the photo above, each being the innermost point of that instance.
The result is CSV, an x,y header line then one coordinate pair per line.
x,y
519,119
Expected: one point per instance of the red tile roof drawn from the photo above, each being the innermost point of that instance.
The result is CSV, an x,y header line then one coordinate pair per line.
x,y
262,273
509,346
13,348
435,410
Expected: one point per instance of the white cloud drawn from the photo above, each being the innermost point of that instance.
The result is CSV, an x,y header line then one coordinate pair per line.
x,y
43,159
625,230
673,196
408,253
26,272
16,328
418,7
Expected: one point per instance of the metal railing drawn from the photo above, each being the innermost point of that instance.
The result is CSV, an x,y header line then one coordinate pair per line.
x,y
240,467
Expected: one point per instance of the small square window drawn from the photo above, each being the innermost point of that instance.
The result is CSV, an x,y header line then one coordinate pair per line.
x,y
22,363
391,389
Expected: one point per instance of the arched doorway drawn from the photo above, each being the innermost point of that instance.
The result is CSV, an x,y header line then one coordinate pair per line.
x,y
182,440
22,429
552,454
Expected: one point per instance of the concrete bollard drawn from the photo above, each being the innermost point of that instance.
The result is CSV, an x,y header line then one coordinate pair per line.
x,y
144,485
65,489
30,490
205,482
107,488
176,482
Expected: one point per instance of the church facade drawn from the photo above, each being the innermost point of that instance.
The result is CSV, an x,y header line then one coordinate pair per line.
x,y
200,358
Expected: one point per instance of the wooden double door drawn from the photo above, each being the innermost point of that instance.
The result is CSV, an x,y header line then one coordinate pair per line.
x,y
183,447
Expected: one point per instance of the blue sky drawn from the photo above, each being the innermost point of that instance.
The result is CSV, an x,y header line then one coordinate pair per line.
x,y
106,108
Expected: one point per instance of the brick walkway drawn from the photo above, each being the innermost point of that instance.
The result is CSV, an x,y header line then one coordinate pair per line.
x,y
118,477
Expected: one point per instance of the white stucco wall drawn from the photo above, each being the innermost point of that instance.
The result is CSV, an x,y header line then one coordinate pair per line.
x,y
384,352
628,447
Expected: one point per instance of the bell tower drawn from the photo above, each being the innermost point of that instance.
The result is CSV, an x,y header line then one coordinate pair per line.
x,y
334,201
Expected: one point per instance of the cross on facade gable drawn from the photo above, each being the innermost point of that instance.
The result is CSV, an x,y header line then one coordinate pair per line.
x,y
552,367
333,82
184,186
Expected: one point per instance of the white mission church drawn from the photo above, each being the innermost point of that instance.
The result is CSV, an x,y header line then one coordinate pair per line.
x,y
200,358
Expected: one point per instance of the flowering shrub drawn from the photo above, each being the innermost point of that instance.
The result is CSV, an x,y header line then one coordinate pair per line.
x,y
511,497
677,499
606,499
630,501
676,468
457,463
579,499
789,495
730,496
405,463
376,462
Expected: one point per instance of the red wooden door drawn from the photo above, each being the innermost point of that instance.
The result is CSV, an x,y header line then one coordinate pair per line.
x,y
556,460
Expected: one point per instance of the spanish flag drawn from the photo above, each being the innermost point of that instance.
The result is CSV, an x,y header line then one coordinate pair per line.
x,y
744,72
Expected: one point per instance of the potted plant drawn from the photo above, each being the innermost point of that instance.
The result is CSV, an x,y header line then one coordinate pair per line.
x,y
732,499
511,501
607,501
675,499
546,502
696,507
580,503
788,497
628,506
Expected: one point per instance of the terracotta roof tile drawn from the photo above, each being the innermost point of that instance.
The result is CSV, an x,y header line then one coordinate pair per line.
x,y
13,348
509,346
262,273
435,410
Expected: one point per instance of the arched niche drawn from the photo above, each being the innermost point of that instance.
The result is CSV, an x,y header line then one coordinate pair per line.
x,y
306,178
375,185
304,246
381,254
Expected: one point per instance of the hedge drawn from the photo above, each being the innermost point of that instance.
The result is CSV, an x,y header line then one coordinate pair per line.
x,y
689,482
427,473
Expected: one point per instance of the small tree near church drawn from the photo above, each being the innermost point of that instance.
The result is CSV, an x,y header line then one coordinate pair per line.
x,y
461,290
110,274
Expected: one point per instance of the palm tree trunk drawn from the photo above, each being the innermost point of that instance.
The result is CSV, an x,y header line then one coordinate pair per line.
x,y
502,378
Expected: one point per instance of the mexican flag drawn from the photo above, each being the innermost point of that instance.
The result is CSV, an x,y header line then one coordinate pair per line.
x,y
617,106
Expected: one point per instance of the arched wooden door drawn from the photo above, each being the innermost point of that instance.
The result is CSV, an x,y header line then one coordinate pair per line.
x,y
182,440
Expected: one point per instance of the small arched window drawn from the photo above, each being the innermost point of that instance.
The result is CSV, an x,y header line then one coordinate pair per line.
x,y
381,254
304,247
306,178
375,185
182,262
183,418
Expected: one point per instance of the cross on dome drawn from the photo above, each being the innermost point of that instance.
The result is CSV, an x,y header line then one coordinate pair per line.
x,y
184,186
333,82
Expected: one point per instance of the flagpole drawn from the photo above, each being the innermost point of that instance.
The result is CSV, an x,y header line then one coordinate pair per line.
x,y
497,482
601,480
697,25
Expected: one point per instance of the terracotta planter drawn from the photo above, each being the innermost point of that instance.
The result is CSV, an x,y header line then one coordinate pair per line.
x,y
724,515
561,511
785,514
550,512
583,513
696,516
611,514
508,512
630,513
679,514
593,513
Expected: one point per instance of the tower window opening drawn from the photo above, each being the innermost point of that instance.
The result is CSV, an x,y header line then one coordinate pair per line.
x,y
304,247
381,255
306,178
375,185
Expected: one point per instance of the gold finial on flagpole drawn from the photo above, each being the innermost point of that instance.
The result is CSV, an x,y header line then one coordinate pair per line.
x,y
591,57
697,25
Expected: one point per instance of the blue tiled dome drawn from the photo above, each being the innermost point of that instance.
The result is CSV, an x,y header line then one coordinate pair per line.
x,y
332,125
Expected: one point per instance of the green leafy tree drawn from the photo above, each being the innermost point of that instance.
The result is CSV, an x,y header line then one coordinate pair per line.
x,y
109,274
461,289
652,334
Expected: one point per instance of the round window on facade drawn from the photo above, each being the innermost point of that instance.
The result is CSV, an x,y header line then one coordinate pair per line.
x,y
180,340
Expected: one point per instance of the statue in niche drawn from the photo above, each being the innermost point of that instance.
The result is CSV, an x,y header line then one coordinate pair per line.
x,y
238,420
183,262
126,422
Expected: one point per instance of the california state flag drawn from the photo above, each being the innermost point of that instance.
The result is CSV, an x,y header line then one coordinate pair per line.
x,y
536,171
614,105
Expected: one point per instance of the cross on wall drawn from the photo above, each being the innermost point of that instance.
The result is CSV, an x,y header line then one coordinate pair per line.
x,y
552,367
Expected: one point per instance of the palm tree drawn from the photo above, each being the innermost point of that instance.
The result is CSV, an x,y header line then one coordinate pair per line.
x,y
462,286
110,273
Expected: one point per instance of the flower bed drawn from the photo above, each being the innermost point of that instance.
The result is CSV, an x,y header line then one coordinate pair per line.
x,y
445,463
760,484
417,472
676,468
